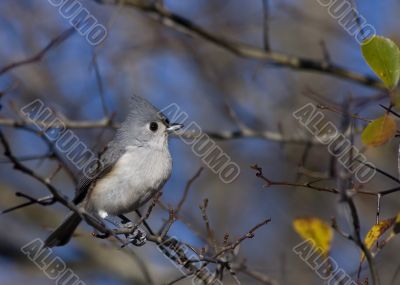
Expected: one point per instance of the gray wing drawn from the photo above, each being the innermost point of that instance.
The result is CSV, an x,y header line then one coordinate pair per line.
x,y
107,160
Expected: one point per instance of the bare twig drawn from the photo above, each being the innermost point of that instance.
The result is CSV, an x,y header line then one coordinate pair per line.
x,y
248,235
308,185
266,35
38,56
19,166
180,24
186,191
210,232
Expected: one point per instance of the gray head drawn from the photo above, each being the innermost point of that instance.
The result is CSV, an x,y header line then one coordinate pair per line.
x,y
145,125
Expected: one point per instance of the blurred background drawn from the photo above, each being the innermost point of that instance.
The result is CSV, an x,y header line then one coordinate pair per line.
x,y
165,65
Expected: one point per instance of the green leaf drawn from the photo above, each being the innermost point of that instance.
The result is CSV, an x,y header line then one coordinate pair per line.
x,y
383,56
379,131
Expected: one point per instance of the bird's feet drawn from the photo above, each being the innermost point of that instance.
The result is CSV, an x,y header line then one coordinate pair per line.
x,y
137,236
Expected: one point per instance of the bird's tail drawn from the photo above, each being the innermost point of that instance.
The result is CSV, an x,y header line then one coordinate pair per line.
x,y
63,233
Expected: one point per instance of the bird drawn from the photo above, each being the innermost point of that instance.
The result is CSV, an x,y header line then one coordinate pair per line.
x,y
135,165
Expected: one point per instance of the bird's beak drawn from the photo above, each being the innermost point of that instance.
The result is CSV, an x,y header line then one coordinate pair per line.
x,y
174,127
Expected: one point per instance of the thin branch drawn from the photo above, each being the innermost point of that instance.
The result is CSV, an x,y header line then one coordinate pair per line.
x,y
222,135
186,191
250,234
100,86
210,232
44,201
19,166
343,184
308,185
260,277
180,24
103,123
266,8
38,56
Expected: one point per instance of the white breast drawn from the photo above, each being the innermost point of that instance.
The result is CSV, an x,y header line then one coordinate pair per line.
x,y
135,178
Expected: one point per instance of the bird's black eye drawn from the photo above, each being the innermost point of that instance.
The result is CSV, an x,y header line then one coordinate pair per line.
x,y
167,121
153,126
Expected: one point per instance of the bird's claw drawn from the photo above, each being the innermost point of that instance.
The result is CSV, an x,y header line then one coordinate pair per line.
x,y
137,237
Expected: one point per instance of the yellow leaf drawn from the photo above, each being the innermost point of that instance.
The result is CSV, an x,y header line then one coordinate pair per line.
x,y
395,98
379,131
396,228
316,230
376,232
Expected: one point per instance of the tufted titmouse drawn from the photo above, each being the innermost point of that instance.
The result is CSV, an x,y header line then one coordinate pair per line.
x,y
134,166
